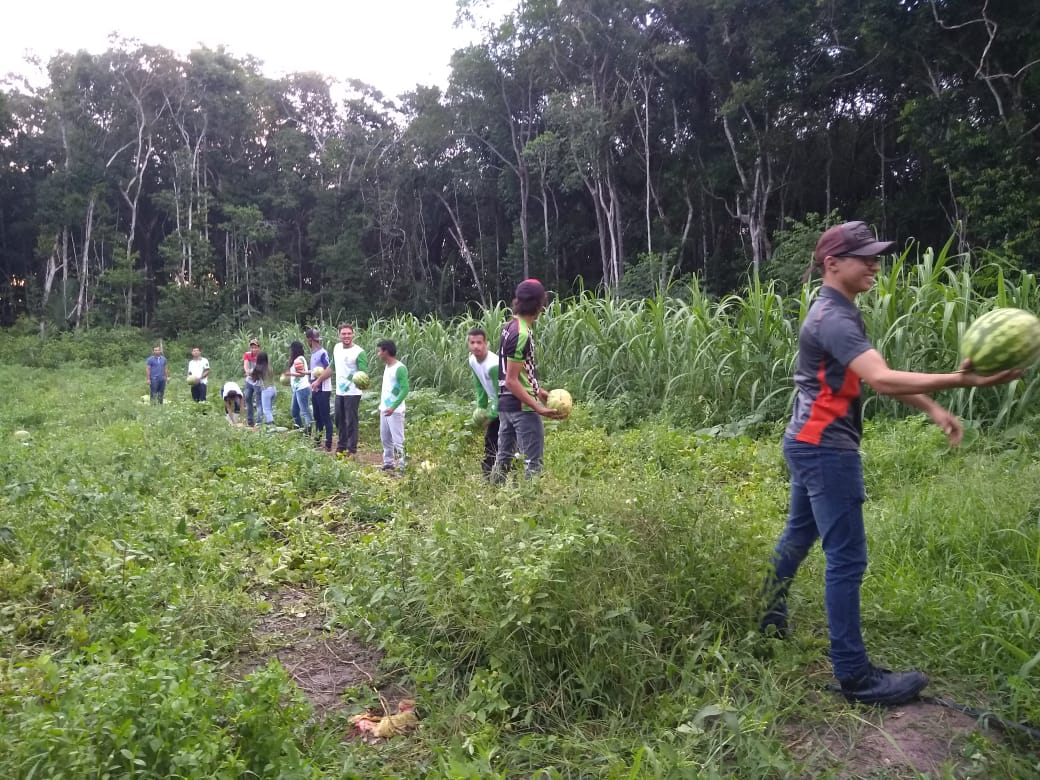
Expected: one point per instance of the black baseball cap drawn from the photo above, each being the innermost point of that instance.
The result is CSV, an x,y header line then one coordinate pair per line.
x,y
850,239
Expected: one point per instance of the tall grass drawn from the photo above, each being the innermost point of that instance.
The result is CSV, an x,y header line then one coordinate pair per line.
x,y
702,361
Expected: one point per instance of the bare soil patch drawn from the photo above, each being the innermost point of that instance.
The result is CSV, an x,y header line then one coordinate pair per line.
x,y
898,742
323,664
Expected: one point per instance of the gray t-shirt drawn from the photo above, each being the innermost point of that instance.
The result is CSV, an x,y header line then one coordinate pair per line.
x,y
828,411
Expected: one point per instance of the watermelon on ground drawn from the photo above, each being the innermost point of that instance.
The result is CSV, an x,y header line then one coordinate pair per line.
x,y
1002,339
560,401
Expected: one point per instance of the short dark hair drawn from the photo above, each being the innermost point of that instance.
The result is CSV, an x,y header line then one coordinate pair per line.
x,y
388,346
343,325
477,332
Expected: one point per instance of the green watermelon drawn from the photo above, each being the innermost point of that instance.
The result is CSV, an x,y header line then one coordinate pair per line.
x,y
480,417
361,380
1002,339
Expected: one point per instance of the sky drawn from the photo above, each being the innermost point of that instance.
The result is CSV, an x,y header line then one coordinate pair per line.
x,y
391,44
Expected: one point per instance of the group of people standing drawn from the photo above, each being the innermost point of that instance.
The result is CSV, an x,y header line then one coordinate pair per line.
x,y
323,389
312,379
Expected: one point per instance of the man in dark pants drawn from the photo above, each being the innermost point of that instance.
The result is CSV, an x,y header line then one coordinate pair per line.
x,y
251,398
821,447
157,372
484,365
348,360
198,369
521,401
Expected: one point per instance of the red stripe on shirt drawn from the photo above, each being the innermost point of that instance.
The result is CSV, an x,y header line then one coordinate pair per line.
x,y
828,405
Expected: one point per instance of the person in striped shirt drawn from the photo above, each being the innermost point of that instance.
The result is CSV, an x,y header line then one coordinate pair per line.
x,y
521,400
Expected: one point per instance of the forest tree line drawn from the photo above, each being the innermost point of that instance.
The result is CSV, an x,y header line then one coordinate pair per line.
x,y
610,144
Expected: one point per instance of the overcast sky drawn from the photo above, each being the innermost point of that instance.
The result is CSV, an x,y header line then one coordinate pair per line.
x,y
390,44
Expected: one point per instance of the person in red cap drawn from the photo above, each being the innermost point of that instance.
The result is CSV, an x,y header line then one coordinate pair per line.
x,y
821,447
252,394
521,401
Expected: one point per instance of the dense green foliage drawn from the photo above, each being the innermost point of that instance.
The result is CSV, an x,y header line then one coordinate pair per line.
x,y
611,143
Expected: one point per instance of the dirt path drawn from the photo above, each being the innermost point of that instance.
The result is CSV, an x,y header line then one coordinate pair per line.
x,y
323,664
898,742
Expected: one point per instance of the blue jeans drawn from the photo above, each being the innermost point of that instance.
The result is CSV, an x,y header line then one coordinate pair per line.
x,y
322,416
301,407
827,496
251,398
157,389
267,403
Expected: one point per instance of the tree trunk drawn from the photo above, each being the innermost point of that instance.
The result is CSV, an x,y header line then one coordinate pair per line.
x,y
82,309
758,185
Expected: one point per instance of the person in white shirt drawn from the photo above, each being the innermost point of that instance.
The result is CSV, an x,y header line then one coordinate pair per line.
x,y
348,359
392,407
232,395
300,381
198,369
484,364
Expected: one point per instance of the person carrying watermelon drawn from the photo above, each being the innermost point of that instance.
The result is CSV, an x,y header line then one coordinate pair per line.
x,y
821,447
521,401
320,398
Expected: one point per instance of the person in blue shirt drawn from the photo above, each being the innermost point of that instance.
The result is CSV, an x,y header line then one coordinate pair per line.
x,y
157,372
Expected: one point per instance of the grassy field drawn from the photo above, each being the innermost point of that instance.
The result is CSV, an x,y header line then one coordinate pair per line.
x,y
596,623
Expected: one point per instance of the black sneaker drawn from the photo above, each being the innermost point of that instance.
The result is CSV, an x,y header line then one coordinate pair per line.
x,y
883,686
774,624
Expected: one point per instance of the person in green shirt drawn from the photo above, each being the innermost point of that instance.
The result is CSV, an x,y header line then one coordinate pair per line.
x,y
484,364
392,406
